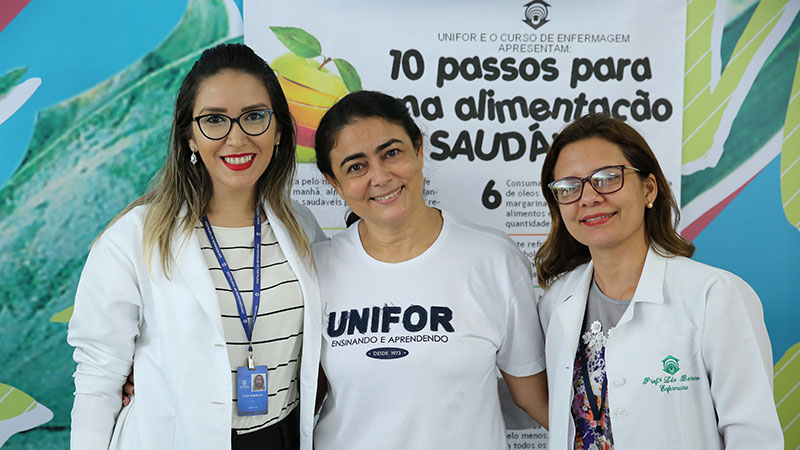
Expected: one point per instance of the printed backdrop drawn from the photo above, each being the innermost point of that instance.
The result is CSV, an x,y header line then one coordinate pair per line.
x,y
489,87
87,89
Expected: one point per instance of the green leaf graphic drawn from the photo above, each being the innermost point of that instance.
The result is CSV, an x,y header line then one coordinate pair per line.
x,y
14,402
763,112
10,79
19,412
704,109
63,316
787,395
349,75
298,41
790,155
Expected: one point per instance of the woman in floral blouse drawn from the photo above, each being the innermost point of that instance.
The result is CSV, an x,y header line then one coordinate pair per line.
x,y
645,348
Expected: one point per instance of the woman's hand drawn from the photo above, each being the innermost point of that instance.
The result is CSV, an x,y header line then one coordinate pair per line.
x,y
322,389
127,390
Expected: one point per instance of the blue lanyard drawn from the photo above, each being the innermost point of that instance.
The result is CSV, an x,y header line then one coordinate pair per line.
x,y
248,325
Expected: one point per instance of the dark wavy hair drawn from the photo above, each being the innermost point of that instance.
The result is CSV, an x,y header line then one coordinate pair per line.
x,y
355,106
561,252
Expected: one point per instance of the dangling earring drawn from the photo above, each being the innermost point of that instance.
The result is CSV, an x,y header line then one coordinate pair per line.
x,y
650,205
193,158
277,144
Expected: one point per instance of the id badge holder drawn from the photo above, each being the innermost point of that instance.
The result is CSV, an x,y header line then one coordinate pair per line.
x,y
251,389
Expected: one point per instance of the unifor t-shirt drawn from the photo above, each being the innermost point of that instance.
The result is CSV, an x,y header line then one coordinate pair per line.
x,y
411,349
278,334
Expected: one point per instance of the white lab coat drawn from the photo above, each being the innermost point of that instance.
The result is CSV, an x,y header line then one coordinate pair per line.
x,y
170,332
710,320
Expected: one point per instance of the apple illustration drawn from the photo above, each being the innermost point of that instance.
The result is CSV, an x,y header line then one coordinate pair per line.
x,y
309,80
310,87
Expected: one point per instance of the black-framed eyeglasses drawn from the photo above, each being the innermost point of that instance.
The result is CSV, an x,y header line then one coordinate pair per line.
x,y
216,126
605,180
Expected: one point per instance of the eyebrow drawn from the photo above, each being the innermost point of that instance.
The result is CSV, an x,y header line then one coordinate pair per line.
x,y
362,155
215,109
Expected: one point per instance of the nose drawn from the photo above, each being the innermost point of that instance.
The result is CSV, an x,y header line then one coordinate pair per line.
x,y
236,137
380,174
590,196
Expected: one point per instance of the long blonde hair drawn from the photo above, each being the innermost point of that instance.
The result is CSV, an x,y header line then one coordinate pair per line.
x,y
180,183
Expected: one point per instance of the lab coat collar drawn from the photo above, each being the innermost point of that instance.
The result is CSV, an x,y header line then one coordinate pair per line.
x,y
573,305
191,264
650,288
651,283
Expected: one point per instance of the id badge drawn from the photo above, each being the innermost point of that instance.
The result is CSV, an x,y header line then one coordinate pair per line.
x,y
251,391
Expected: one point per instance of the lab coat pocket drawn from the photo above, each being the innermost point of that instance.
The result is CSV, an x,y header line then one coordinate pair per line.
x,y
677,343
674,364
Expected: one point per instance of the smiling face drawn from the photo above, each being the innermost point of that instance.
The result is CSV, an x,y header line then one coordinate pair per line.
x,y
604,221
235,162
378,171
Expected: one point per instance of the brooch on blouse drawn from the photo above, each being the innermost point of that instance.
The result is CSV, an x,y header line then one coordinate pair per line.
x,y
594,338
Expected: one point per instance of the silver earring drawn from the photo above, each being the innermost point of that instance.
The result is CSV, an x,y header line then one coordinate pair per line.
x,y
193,158
277,144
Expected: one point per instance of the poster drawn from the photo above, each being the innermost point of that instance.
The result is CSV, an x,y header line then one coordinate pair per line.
x,y
489,85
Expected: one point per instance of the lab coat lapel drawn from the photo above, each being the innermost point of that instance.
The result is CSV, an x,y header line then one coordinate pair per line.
x,y
191,264
650,286
573,307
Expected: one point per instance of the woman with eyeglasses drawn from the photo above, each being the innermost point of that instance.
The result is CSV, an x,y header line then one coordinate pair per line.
x,y
203,284
645,347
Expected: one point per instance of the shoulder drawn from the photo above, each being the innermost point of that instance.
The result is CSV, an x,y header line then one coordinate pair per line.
x,y
126,228
338,244
489,248
340,252
482,237
562,287
696,276
121,240
303,215
307,221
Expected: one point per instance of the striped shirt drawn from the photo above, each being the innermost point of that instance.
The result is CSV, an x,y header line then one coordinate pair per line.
x,y
278,333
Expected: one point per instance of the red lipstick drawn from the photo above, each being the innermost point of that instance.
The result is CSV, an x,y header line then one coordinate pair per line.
x,y
238,167
594,220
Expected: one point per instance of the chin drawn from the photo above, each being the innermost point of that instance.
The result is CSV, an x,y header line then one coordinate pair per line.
x,y
243,185
388,219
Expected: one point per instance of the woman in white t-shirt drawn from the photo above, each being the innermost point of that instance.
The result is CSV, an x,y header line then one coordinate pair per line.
x,y
420,308
645,347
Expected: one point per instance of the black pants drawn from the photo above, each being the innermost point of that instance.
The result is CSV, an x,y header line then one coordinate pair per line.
x,y
284,435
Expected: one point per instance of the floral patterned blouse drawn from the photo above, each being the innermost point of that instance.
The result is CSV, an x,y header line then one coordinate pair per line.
x,y
591,433
594,433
